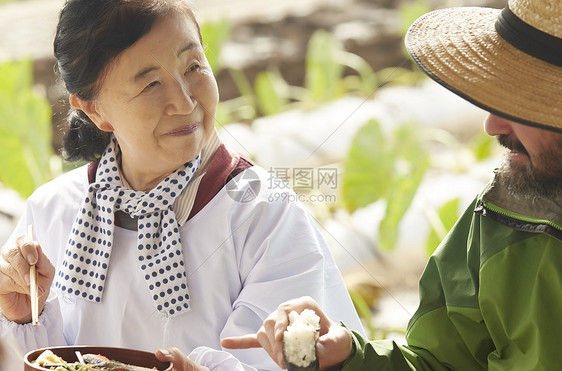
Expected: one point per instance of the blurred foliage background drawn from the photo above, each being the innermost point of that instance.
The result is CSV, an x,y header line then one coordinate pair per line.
x,y
25,130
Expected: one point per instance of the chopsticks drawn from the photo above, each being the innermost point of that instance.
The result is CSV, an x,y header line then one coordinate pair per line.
x,y
33,288
79,357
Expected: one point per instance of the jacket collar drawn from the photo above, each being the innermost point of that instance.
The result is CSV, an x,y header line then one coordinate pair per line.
x,y
541,208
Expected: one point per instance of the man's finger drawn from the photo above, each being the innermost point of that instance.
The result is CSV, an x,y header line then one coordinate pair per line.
x,y
241,342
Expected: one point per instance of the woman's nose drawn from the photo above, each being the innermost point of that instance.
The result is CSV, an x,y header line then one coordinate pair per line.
x,y
180,99
495,125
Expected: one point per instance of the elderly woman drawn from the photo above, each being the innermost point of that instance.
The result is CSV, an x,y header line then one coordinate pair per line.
x,y
167,239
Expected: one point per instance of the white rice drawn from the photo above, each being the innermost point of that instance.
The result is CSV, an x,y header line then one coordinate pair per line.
x,y
299,341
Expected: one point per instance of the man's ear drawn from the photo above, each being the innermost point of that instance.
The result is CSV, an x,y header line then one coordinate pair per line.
x,y
90,108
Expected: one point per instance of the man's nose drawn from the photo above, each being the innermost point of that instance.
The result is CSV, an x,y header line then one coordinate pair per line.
x,y
495,125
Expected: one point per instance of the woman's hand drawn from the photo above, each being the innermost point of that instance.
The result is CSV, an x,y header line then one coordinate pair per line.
x,y
15,262
333,346
179,361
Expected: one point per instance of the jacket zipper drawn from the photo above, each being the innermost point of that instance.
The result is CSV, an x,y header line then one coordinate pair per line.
x,y
519,217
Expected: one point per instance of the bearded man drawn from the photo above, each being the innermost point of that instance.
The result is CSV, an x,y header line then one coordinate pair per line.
x,y
491,294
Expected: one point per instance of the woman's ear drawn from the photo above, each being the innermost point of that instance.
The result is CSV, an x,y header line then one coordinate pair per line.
x,y
90,108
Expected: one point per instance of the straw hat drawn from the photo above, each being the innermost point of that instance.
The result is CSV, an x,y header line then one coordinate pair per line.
x,y
508,62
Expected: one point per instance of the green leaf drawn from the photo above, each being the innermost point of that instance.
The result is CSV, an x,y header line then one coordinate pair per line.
x,y
364,312
25,130
323,72
270,100
222,116
384,167
409,12
214,35
367,81
410,167
398,201
244,86
482,146
447,215
367,168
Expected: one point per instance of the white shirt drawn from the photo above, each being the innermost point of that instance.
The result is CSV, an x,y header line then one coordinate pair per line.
x,y
242,260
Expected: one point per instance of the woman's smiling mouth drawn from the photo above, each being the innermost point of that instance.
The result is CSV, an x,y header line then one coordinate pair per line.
x,y
184,129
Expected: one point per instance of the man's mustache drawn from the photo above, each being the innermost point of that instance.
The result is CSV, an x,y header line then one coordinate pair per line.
x,y
511,143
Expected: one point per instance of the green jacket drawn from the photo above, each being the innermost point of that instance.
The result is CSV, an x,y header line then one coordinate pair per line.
x,y
490,296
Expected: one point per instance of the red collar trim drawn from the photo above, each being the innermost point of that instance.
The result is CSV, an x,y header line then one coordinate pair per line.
x,y
224,166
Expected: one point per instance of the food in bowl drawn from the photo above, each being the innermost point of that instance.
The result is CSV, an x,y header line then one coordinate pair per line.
x,y
84,358
87,362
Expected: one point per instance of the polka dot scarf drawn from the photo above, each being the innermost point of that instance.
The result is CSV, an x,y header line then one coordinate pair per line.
x,y
84,268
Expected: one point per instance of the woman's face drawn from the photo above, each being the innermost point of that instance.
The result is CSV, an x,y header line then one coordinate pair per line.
x,y
159,98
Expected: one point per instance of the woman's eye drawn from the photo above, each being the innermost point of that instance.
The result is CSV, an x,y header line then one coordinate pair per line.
x,y
194,67
152,84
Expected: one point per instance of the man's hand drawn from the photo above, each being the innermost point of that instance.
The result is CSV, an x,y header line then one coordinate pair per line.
x,y
333,346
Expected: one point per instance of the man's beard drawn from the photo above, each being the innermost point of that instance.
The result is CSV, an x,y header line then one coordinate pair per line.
x,y
540,178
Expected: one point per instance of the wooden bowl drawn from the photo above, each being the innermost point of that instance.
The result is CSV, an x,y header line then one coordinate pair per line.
x,y
128,356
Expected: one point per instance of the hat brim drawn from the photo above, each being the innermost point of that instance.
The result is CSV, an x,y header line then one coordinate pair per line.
x,y
461,50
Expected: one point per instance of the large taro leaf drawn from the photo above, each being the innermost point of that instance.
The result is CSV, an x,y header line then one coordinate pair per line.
x,y
384,167
367,168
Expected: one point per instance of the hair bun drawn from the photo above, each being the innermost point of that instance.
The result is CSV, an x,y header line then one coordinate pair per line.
x,y
74,119
83,140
